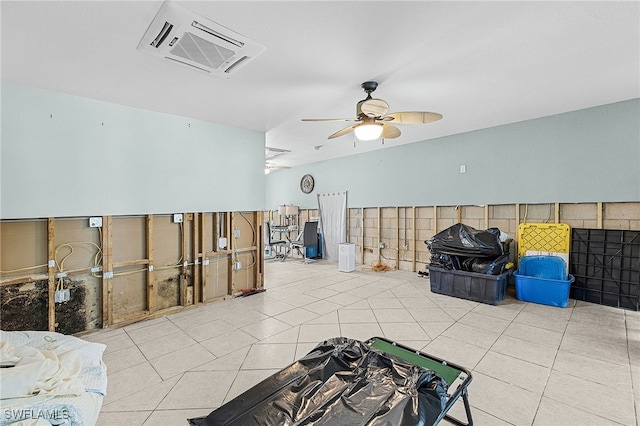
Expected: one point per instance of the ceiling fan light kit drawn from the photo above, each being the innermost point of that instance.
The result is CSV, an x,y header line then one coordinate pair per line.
x,y
373,120
368,132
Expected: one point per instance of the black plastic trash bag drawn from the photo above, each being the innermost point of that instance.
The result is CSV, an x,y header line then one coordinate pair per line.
x,y
463,240
484,265
446,261
341,382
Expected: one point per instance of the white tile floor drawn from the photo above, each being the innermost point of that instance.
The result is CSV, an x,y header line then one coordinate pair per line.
x,y
531,364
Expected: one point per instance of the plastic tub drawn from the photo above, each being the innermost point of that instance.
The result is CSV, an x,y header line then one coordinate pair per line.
x,y
483,288
542,290
549,267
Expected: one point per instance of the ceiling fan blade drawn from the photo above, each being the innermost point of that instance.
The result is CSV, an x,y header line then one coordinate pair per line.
x,y
342,132
415,117
389,131
330,119
374,107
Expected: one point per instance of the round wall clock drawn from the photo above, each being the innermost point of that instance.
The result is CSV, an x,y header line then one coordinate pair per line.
x,y
306,184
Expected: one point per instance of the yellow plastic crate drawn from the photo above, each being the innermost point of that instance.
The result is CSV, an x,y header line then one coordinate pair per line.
x,y
547,237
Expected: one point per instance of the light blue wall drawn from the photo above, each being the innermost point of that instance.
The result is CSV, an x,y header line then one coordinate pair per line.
x,y
68,156
582,156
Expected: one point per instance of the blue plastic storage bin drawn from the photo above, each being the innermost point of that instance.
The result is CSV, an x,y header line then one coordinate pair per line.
x,y
549,267
542,290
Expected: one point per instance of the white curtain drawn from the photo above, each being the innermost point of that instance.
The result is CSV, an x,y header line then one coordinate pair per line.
x,y
333,222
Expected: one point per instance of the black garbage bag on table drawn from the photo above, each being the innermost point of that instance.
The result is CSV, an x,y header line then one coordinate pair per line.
x,y
341,382
463,240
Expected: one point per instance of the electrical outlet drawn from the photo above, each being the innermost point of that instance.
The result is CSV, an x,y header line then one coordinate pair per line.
x,y
222,243
177,218
95,222
463,168
236,233
62,296
381,245
237,265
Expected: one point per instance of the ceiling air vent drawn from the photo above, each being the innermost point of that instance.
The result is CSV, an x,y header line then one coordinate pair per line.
x,y
181,36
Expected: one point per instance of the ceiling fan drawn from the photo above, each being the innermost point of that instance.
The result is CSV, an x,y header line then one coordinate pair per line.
x,y
269,154
373,120
271,166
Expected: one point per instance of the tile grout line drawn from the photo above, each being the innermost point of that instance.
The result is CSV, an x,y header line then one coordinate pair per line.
x,y
495,378
633,390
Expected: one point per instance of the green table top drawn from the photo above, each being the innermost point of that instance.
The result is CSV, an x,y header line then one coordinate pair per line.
x,y
447,372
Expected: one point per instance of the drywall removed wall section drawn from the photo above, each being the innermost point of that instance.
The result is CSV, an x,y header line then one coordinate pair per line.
x,y
23,248
72,248
68,156
131,268
396,236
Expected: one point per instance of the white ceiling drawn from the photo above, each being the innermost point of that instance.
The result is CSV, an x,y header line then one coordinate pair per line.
x,y
480,64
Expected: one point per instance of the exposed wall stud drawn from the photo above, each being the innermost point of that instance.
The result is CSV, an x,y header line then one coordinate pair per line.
x,y
199,233
379,232
197,254
599,214
362,236
415,254
398,237
232,246
150,287
51,254
184,270
435,220
258,268
517,227
486,216
107,268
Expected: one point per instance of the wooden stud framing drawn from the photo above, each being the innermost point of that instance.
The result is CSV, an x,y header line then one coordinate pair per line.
x,y
51,270
379,232
199,287
150,289
435,220
517,217
415,254
198,230
398,237
107,268
362,236
197,254
599,214
459,213
486,216
232,246
259,266
184,269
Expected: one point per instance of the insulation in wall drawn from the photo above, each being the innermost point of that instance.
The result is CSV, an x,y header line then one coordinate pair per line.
x,y
25,306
